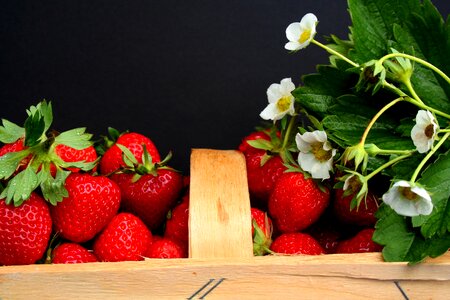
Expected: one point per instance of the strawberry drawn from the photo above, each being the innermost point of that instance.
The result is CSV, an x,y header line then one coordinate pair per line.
x,y
24,231
297,202
177,224
91,203
149,189
112,159
69,154
263,169
36,157
72,253
364,215
327,233
165,248
151,196
361,242
125,238
261,232
296,243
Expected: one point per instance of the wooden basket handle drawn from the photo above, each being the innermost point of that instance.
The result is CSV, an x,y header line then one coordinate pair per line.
x,y
219,205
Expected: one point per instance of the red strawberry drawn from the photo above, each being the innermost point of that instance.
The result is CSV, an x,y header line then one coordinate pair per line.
x,y
364,215
327,234
24,231
245,147
296,202
126,238
360,243
261,232
112,159
16,147
296,243
262,170
72,253
151,196
91,204
177,224
165,248
69,154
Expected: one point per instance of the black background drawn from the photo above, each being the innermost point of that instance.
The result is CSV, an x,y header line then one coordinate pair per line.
x,y
188,74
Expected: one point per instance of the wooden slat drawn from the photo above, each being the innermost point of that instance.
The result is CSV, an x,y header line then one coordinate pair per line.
x,y
354,276
219,205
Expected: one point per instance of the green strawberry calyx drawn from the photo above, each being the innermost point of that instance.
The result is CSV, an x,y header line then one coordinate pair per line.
x,y
133,166
261,239
39,156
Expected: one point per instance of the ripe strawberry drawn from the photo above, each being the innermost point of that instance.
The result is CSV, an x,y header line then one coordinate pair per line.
x,y
177,224
361,242
151,196
296,243
296,202
262,170
72,253
91,204
364,215
16,147
165,248
69,154
261,232
24,231
125,238
327,233
245,147
112,159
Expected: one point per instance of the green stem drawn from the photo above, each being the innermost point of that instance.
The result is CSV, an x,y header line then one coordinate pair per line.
x,y
396,152
331,51
389,163
416,59
394,89
375,118
428,156
424,106
412,91
288,131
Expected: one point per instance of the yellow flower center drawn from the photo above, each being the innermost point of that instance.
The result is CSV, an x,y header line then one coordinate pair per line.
x,y
284,103
304,36
320,153
429,131
407,193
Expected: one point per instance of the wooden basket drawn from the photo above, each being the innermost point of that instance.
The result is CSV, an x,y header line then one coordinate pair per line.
x,y
221,264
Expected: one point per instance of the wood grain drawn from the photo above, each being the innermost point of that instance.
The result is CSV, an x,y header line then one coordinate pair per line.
x,y
219,207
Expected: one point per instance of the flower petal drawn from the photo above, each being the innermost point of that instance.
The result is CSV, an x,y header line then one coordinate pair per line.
x,y
286,86
270,112
274,93
309,20
293,31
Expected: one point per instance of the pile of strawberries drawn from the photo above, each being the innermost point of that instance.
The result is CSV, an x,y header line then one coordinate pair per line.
x,y
295,214
65,201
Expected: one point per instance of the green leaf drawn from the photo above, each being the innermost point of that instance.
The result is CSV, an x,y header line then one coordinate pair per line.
x,y
34,129
45,110
76,138
10,162
261,144
372,22
53,189
10,132
436,179
128,157
19,188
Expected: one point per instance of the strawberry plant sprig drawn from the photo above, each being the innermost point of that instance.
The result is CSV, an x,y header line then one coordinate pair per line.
x,y
35,157
380,109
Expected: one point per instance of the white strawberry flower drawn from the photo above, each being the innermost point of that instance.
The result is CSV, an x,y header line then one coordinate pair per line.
x,y
300,34
424,132
281,101
408,199
316,154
